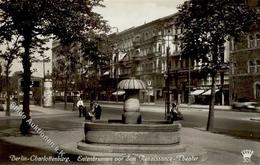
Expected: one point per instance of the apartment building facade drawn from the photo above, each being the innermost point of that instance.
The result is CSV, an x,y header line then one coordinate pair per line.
x,y
141,52
245,60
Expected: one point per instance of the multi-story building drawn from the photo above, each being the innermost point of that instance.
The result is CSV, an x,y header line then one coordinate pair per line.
x,y
141,52
245,60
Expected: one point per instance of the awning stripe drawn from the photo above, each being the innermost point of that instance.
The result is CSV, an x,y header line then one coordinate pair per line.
x,y
131,84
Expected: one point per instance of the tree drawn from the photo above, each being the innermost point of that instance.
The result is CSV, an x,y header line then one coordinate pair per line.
x,y
98,51
72,61
68,20
68,65
206,25
43,58
1,76
11,52
14,81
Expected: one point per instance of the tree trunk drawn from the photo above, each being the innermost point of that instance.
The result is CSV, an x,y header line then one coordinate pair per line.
x,y
25,127
54,92
210,123
65,93
7,112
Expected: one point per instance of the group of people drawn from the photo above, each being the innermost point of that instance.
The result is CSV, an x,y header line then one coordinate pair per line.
x,y
93,112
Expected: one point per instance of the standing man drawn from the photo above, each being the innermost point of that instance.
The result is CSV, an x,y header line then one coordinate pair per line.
x,y
80,106
97,111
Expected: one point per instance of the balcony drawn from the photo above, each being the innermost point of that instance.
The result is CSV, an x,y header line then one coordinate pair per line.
x,y
136,44
137,58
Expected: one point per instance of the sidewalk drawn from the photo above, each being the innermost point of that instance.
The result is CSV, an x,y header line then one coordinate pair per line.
x,y
37,111
221,149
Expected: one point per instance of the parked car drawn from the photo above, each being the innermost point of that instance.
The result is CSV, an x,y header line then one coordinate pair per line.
x,y
244,103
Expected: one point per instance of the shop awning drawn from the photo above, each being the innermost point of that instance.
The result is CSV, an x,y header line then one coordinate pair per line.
x,y
208,92
121,56
197,92
119,93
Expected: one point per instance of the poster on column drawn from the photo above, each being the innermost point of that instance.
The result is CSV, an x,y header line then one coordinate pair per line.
x,y
47,94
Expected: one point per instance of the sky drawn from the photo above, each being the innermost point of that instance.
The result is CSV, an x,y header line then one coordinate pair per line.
x,y
122,14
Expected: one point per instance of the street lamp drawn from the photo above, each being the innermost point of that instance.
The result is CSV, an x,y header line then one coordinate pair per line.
x,y
167,80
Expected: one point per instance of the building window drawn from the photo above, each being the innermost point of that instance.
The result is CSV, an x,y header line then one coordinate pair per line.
x,y
258,40
182,63
251,66
257,66
159,48
257,91
233,69
176,63
160,65
251,41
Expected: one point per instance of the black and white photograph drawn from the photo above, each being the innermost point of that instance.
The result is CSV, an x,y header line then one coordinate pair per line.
x,y
130,82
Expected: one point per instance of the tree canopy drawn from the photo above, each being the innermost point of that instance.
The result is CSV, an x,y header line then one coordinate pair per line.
x,y
34,20
207,24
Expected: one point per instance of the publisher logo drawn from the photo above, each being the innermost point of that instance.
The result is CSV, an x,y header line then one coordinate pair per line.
x,y
247,154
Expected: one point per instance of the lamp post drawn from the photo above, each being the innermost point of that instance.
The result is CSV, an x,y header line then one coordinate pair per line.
x,y
167,87
189,83
167,81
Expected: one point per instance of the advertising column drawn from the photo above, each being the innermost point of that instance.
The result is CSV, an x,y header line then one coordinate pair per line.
x,y
47,93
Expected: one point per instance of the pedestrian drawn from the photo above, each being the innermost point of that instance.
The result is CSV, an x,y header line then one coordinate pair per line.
x,y
91,104
80,106
97,110
175,113
88,114
74,106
